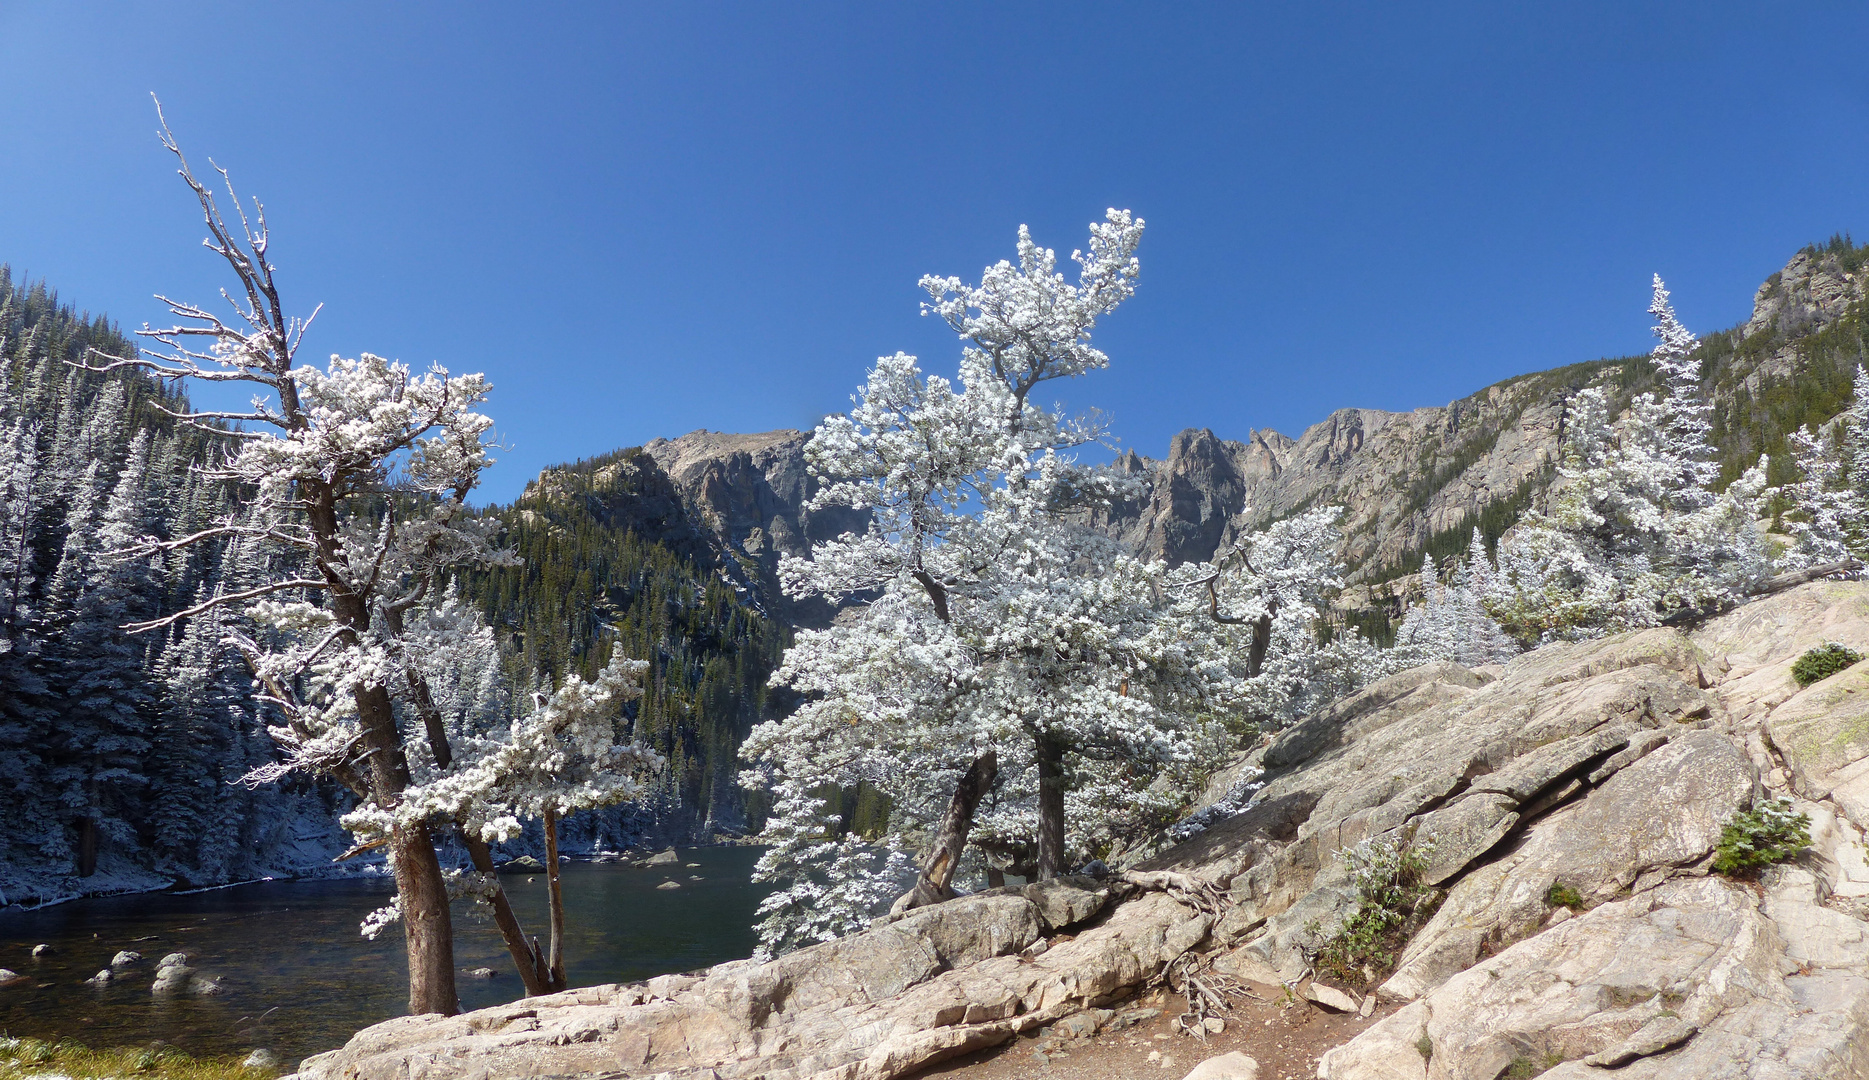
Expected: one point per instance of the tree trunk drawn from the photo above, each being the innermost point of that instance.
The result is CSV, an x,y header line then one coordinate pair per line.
x,y
555,961
1050,808
1261,642
935,882
532,968
426,924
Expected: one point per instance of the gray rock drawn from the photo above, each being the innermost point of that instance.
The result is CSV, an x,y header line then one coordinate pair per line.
x,y
206,986
41,950
1330,997
669,885
662,858
1662,812
174,959
523,864
263,1058
480,973
102,978
1066,901
125,959
1823,734
1691,959
7,976
1233,1066
172,979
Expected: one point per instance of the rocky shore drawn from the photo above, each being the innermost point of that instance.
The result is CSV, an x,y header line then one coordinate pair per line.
x,y
1567,807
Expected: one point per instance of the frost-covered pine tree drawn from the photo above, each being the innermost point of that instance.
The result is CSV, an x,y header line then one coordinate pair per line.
x,y
1830,499
1634,532
1451,622
1004,651
355,479
1270,594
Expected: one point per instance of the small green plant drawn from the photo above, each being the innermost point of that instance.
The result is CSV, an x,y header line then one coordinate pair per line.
x,y
1392,903
1426,1046
1755,839
1524,1068
1562,895
1822,662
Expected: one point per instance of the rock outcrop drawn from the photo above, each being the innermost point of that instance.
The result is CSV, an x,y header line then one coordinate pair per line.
x,y
1406,478
728,503
1608,768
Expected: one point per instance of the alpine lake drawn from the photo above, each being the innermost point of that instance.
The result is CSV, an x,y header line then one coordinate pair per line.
x,y
297,978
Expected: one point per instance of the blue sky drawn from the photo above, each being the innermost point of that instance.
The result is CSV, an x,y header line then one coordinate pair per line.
x,y
644,219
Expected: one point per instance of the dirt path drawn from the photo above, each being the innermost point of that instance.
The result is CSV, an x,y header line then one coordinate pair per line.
x,y
1285,1037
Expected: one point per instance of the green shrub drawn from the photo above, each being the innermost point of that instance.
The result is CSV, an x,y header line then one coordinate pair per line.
x,y
1392,903
1562,895
1822,662
1755,839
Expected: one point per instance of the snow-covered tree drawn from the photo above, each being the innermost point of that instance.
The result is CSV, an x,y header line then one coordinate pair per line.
x,y
1831,496
1634,532
1005,651
356,476
1451,622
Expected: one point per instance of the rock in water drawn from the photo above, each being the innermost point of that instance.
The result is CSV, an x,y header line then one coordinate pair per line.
x,y
262,1058
1233,1066
170,979
174,959
102,978
662,858
40,950
9,976
205,986
524,863
669,885
126,958
479,972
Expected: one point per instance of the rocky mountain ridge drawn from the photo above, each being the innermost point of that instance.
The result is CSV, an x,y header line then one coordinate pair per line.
x,y
1409,481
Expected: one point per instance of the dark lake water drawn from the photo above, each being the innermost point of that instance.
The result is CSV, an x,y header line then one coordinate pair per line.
x,y
299,979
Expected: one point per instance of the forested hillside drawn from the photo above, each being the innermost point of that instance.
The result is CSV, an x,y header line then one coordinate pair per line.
x,y
118,752
611,561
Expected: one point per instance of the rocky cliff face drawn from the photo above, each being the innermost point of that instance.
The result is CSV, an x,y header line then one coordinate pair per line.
x,y
732,503
1409,479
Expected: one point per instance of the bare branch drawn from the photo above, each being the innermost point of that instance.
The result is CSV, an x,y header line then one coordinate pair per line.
x,y
221,599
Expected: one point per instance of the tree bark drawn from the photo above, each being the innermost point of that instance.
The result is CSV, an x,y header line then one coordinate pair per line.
x,y
533,971
935,883
555,958
1050,807
426,924
1261,643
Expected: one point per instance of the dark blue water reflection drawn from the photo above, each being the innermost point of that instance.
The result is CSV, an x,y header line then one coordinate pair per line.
x,y
299,979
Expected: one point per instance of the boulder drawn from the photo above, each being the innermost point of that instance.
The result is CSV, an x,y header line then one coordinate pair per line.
x,y
1663,813
125,959
41,950
1066,901
1688,979
174,959
662,858
525,864
942,981
263,1058
1233,1066
171,979
669,885
7,976
1822,733
101,979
